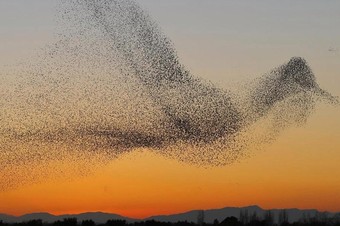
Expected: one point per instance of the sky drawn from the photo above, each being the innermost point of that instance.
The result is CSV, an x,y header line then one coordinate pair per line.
x,y
225,42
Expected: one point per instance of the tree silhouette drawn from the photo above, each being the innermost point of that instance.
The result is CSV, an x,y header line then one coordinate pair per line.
x,y
34,223
200,217
283,217
244,217
88,223
268,218
254,217
116,223
231,221
70,222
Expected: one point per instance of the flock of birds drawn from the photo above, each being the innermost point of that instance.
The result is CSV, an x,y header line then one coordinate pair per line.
x,y
113,83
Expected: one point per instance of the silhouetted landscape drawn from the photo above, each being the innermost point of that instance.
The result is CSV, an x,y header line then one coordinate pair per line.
x,y
229,216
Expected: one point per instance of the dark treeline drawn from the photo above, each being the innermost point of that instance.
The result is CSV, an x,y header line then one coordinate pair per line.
x,y
229,221
245,219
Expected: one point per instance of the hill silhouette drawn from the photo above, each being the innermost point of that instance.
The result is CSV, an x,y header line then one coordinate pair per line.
x,y
210,216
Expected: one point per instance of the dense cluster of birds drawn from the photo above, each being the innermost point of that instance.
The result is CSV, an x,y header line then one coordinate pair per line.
x,y
113,83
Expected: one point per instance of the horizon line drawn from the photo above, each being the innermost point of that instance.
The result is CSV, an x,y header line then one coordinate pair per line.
x,y
169,214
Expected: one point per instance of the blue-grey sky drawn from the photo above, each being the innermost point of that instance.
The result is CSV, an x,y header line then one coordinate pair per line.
x,y
220,40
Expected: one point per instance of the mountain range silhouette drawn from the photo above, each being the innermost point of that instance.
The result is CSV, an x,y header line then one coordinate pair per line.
x,y
210,215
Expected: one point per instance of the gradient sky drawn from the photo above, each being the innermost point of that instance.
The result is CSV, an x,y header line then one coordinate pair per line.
x,y
226,42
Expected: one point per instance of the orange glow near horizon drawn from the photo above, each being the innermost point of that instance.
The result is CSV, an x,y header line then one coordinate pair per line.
x,y
300,170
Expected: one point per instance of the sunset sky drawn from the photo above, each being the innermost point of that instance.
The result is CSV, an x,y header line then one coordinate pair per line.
x,y
227,42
